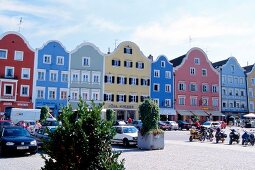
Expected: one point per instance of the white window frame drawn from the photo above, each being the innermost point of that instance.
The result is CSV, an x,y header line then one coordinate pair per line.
x,y
41,89
205,101
13,69
133,98
140,65
122,79
215,88
206,87
197,61
191,88
204,70
86,64
61,92
181,100
241,80
21,57
163,64
74,94
230,92
223,79
48,61
53,90
121,97
53,72
21,90
230,79
193,100
22,73
85,79
108,97
192,71
181,86
5,89
215,102
156,101
60,58
168,75
157,73
6,53
77,74
95,94
63,74
128,64
94,79
168,103
158,85
168,88
85,94
41,71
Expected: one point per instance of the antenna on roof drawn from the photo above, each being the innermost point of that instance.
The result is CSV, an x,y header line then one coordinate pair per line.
x,y
115,43
20,22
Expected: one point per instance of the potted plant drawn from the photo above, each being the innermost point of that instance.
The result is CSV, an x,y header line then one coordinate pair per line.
x,y
150,136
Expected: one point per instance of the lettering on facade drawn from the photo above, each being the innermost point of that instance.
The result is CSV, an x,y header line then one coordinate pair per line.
x,y
7,104
121,106
22,104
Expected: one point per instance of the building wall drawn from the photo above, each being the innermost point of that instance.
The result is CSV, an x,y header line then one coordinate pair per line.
x,y
251,89
55,50
95,67
233,79
125,108
182,75
13,41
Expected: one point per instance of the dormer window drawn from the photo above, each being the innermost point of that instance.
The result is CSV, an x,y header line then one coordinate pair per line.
x,y
163,64
127,50
197,61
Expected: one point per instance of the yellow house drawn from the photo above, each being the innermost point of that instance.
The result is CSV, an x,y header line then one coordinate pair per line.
x,y
250,71
127,80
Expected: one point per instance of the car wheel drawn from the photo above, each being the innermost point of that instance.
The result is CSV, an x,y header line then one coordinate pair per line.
x,y
125,142
230,141
190,138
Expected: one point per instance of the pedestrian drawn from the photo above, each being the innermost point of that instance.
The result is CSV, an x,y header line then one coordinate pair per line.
x,y
37,125
129,120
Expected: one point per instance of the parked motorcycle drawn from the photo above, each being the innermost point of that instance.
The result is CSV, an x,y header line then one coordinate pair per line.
x,y
220,135
234,136
199,134
209,134
248,138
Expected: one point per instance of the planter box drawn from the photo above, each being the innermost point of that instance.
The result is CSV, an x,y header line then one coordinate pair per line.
x,y
151,141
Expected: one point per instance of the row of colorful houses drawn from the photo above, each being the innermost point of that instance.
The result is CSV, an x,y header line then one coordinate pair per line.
x,y
184,87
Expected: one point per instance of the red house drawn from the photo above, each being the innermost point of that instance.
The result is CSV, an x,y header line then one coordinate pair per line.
x,y
196,87
16,72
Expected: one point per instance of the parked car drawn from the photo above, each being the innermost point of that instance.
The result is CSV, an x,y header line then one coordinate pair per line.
x,y
210,124
5,123
42,134
163,125
184,125
126,135
138,124
173,125
28,124
51,122
223,124
119,122
17,139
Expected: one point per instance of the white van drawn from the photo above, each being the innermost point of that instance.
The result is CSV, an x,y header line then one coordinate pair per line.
x,y
18,114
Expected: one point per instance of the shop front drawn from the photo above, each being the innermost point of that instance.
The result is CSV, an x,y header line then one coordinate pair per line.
x,y
123,112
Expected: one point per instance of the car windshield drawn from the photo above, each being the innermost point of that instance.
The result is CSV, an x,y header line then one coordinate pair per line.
x,y
15,132
207,123
216,123
129,129
50,123
32,123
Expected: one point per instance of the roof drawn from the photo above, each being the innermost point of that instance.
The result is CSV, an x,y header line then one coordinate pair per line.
x,y
177,61
248,68
219,63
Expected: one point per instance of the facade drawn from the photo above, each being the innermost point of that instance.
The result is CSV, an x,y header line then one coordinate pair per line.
x,y
16,72
52,76
127,80
162,87
250,73
233,87
86,74
196,86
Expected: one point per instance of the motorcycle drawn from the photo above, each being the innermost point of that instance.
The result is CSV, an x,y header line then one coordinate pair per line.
x,y
220,135
209,134
248,137
234,136
199,134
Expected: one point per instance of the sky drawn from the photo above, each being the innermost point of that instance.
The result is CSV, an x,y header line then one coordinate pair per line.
x,y
159,27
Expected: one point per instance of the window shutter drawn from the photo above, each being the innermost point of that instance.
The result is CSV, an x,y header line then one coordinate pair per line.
x,y
142,65
105,79
117,98
125,63
119,63
125,80
148,82
112,97
130,80
131,64
112,62
141,82
136,99
141,98
130,50
136,64
113,79
104,97
137,81
118,80
125,98
129,98
125,50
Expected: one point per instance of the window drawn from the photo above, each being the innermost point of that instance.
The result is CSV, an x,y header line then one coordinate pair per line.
x,y
156,73
40,92
192,71
181,86
47,59
9,72
96,77
237,104
53,75
204,72
85,94
128,64
64,77
230,92
60,60
121,98
250,92
236,80
143,97
24,90
85,78
163,64
108,97
155,87
204,101
224,104
41,75
52,93
168,74
223,79
75,76
139,65
25,73
63,94
156,101
193,101
145,82
95,95
230,79
167,102
224,91
232,68
253,81
115,62
205,88
193,87
74,93
133,98
168,88
251,106
215,102
86,61
121,80
3,54
8,89
214,88
181,100
133,81
242,93
127,50
241,80
236,92
197,61
231,104
18,55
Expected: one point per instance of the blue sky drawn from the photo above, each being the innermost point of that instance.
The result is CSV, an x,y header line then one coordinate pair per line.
x,y
221,28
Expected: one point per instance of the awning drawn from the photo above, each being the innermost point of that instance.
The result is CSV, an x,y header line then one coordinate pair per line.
x,y
184,112
199,113
167,111
215,113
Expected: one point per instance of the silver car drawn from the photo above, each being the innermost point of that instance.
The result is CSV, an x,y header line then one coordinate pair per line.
x,y
173,125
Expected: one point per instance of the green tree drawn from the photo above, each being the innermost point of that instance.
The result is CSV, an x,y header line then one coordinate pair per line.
x,y
110,115
44,113
83,142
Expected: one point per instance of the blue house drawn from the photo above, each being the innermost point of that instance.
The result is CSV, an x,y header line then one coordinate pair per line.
x,y
233,88
52,77
162,87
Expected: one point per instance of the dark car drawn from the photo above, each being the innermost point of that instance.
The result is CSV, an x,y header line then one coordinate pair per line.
x,y
163,125
184,125
42,134
137,123
5,123
16,139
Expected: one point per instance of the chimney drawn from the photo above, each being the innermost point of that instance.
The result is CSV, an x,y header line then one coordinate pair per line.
x,y
150,57
108,51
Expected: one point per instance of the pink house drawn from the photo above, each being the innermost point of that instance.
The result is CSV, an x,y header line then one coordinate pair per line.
x,y
196,87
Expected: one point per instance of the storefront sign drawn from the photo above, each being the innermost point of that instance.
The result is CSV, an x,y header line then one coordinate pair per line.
x,y
22,104
121,106
7,104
